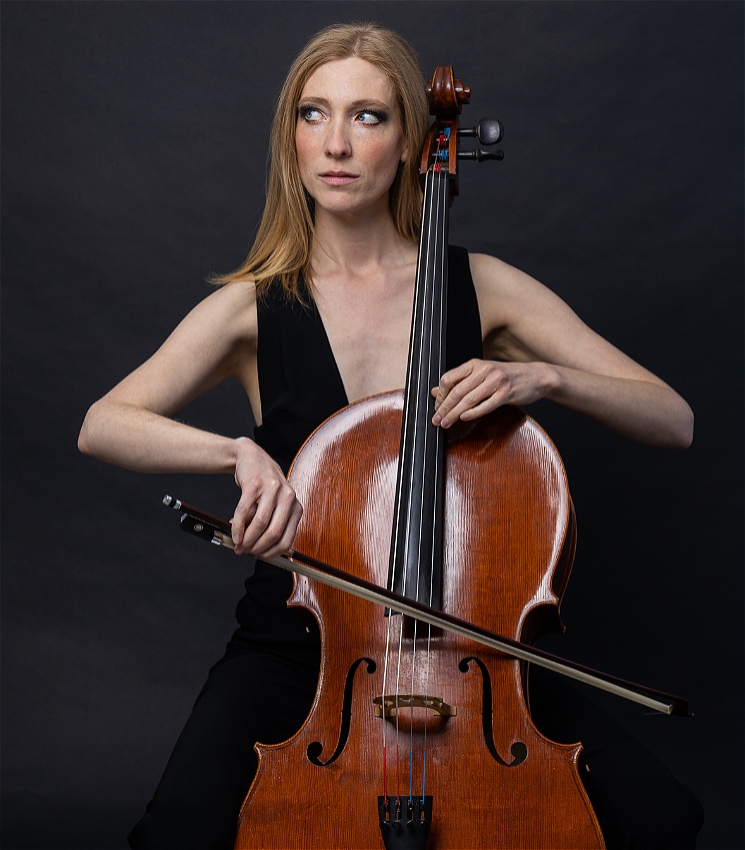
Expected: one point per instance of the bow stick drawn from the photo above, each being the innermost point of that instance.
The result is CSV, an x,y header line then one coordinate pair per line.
x,y
217,531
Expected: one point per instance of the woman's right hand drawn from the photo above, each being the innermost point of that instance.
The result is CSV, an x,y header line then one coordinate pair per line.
x,y
268,513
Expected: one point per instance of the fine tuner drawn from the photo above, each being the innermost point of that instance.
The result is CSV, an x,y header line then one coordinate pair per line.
x,y
488,131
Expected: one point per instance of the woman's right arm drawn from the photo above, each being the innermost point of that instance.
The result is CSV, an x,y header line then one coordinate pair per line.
x,y
131,425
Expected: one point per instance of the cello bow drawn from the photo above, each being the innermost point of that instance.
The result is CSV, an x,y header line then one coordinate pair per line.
x,y
217,531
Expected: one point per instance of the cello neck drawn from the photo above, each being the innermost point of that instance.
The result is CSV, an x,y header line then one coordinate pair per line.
x,y
415,566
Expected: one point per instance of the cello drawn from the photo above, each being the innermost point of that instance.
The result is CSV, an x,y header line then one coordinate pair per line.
x,y
416,737
487,524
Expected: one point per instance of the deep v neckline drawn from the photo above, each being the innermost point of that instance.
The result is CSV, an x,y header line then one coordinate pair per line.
x,y
328,351
300,384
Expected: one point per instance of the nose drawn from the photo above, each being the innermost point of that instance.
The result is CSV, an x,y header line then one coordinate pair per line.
x,y
338,144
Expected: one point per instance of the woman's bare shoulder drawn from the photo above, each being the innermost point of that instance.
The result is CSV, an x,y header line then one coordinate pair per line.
x,y
501,290
238,296
493,277
227,316
215,340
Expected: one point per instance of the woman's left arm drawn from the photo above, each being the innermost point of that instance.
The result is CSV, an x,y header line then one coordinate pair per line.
x,y
537,347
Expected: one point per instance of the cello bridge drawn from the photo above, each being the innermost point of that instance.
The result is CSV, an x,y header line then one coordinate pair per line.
x,y
389,704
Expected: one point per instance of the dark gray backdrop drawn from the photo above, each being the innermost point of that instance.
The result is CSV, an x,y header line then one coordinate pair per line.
x,y
134,148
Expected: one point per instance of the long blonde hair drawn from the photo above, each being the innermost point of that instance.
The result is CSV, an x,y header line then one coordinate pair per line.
x,y
283,244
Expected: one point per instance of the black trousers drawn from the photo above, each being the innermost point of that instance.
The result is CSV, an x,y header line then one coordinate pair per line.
x,y
255,694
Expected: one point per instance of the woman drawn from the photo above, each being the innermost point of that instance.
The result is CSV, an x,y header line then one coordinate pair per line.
x,y
337,245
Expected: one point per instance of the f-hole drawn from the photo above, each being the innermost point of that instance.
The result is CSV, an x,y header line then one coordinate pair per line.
x,y
316,747
518,750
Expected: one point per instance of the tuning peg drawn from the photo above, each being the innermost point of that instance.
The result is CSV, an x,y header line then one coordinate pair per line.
x,y
481,155
489,131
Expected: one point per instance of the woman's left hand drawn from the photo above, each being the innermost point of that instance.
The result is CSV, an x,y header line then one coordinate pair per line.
x,y
479,386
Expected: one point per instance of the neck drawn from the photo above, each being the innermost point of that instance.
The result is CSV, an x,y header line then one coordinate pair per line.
x,y
355,243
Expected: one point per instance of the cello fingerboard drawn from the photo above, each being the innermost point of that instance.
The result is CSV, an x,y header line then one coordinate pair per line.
x,y
415,566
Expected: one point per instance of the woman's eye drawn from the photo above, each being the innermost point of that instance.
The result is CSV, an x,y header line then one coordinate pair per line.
x,y
310,113
370,117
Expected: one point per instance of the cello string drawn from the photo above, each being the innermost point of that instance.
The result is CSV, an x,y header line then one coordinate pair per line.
x,y
406,440
423,428
436,342
398,713
411,718
443,199
418,412
425,335
385,774
422,402
419,396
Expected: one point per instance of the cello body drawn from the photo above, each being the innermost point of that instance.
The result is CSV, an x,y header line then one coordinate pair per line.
x,y
508,543
418,738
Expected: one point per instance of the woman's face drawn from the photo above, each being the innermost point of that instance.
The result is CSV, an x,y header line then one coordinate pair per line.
x,y
349,136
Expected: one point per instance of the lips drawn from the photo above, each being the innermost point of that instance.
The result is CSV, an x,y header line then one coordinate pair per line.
x,y
338,178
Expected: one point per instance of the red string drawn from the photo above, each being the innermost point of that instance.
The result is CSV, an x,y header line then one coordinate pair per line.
x,y
398,779
385,777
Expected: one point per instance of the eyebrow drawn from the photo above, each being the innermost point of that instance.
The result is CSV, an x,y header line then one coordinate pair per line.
x,y
357,104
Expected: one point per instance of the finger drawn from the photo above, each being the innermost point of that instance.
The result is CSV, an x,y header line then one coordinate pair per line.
x,y
491,402
277,537
471,390
253,530
253,513
476,397
450,379
490,382
284,542
244,512
268,525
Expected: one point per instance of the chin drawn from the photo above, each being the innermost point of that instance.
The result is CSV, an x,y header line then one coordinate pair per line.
x,y
342,203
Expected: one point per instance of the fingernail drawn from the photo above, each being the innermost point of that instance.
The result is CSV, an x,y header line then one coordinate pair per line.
x,y
445,423
435,420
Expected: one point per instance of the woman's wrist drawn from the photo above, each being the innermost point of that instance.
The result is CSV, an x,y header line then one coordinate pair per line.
x,y
550,380
241,448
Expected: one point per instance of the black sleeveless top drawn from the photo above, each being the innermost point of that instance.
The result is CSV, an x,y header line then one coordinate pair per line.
x,y
300,387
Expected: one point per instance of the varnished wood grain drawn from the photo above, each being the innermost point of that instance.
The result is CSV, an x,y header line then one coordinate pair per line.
x,y
508,528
